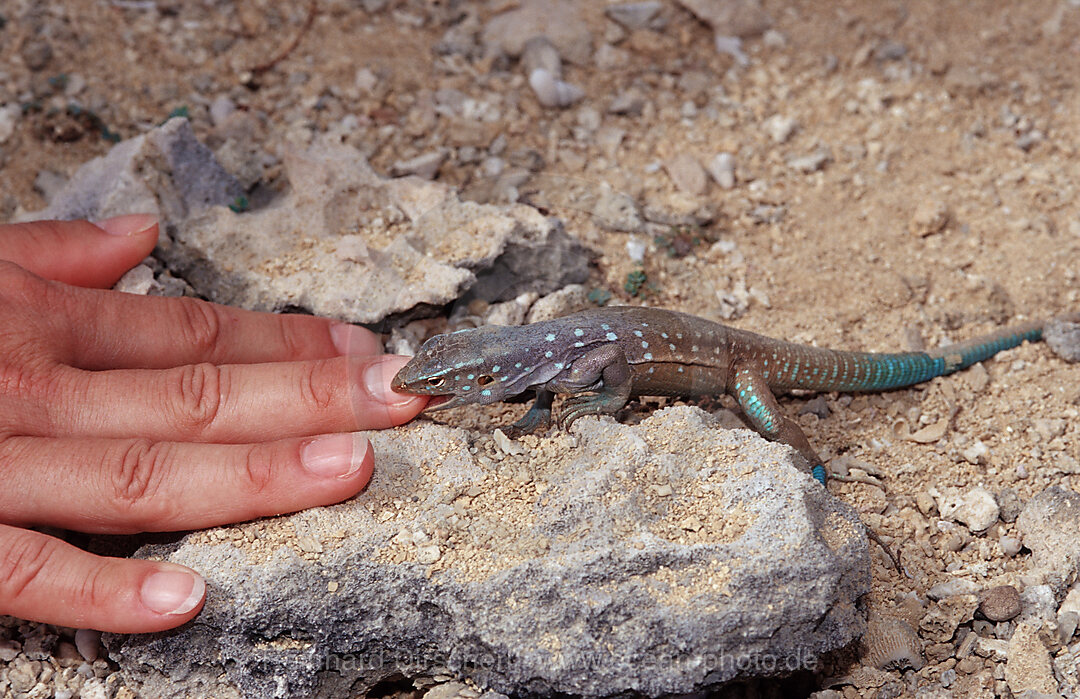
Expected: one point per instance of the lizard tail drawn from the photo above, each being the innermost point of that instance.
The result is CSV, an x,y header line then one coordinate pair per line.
x,y
963,354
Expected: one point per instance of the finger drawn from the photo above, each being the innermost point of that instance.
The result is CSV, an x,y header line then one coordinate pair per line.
x,y
124,486
94,329
79,252
47,580
235,403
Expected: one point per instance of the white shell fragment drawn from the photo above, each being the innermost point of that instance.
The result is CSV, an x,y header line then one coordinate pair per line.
x,y
552,92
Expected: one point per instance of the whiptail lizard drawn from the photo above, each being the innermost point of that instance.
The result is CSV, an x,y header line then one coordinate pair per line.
x,y
604,356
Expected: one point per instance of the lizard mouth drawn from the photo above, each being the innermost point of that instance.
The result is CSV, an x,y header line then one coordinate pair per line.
x,y
444,402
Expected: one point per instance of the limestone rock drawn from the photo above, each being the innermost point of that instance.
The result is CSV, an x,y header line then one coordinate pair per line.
x,y
1029,665
622,559
1050,526
341,242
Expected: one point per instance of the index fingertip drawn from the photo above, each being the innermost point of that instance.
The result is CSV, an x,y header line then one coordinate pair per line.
x,y
351,340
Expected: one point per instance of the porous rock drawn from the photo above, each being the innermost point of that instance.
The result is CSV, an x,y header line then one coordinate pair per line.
x,y
1063,337
1000,603
664,557
1029,665
165,171
341,241
1050,526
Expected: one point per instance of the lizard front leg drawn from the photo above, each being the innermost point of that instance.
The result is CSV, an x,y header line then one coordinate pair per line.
x,y
749,387
602,370
537,418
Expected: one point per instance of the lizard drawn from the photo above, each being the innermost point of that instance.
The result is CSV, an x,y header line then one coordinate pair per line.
x,y
602,357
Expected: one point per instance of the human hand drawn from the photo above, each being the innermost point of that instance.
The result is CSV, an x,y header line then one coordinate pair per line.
x,y
122,414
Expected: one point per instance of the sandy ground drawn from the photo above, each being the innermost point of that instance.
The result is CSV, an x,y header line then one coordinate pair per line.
x,y
942,201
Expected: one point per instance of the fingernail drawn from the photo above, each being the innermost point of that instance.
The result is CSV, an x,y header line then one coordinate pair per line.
x,y
352,340
130,224
173,591
334,456
377,378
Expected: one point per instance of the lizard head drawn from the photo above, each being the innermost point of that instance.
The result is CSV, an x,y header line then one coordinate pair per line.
x,y
465,367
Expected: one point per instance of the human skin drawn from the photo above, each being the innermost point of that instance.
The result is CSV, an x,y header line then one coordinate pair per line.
x,y
122,413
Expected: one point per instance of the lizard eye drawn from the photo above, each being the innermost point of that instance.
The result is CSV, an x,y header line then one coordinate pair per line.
x,y
484,380
436,382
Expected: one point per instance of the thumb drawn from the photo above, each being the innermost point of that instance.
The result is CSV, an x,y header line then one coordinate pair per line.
x,y
80,252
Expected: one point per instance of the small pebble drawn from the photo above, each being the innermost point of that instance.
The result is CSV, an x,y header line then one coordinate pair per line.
x,y
9,117
1000,603
952,588
426,555
774,39
1064,339
1010,505
425,166
552,92
541,54
722,170
810,163
88,642
780,128
220,109
687,174
732,46
634,15
978,509
1067,623
930,217
8,650
891,644
627,103
1010,545
36,53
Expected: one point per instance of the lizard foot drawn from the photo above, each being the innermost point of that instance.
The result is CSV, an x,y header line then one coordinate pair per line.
x,y
582,405
533,421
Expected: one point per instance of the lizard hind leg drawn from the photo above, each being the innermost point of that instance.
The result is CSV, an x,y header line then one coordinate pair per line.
x,y
750,389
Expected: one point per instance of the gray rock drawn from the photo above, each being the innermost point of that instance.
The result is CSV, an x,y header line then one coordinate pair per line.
x,y
1063,337
1050,526
741,18
165,171
663,557
341,242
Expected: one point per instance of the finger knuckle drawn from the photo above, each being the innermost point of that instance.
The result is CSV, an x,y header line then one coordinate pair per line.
x,y
195,396
200,325
17,284
96,590
260,464
319,383
23,562
292,338
135,473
